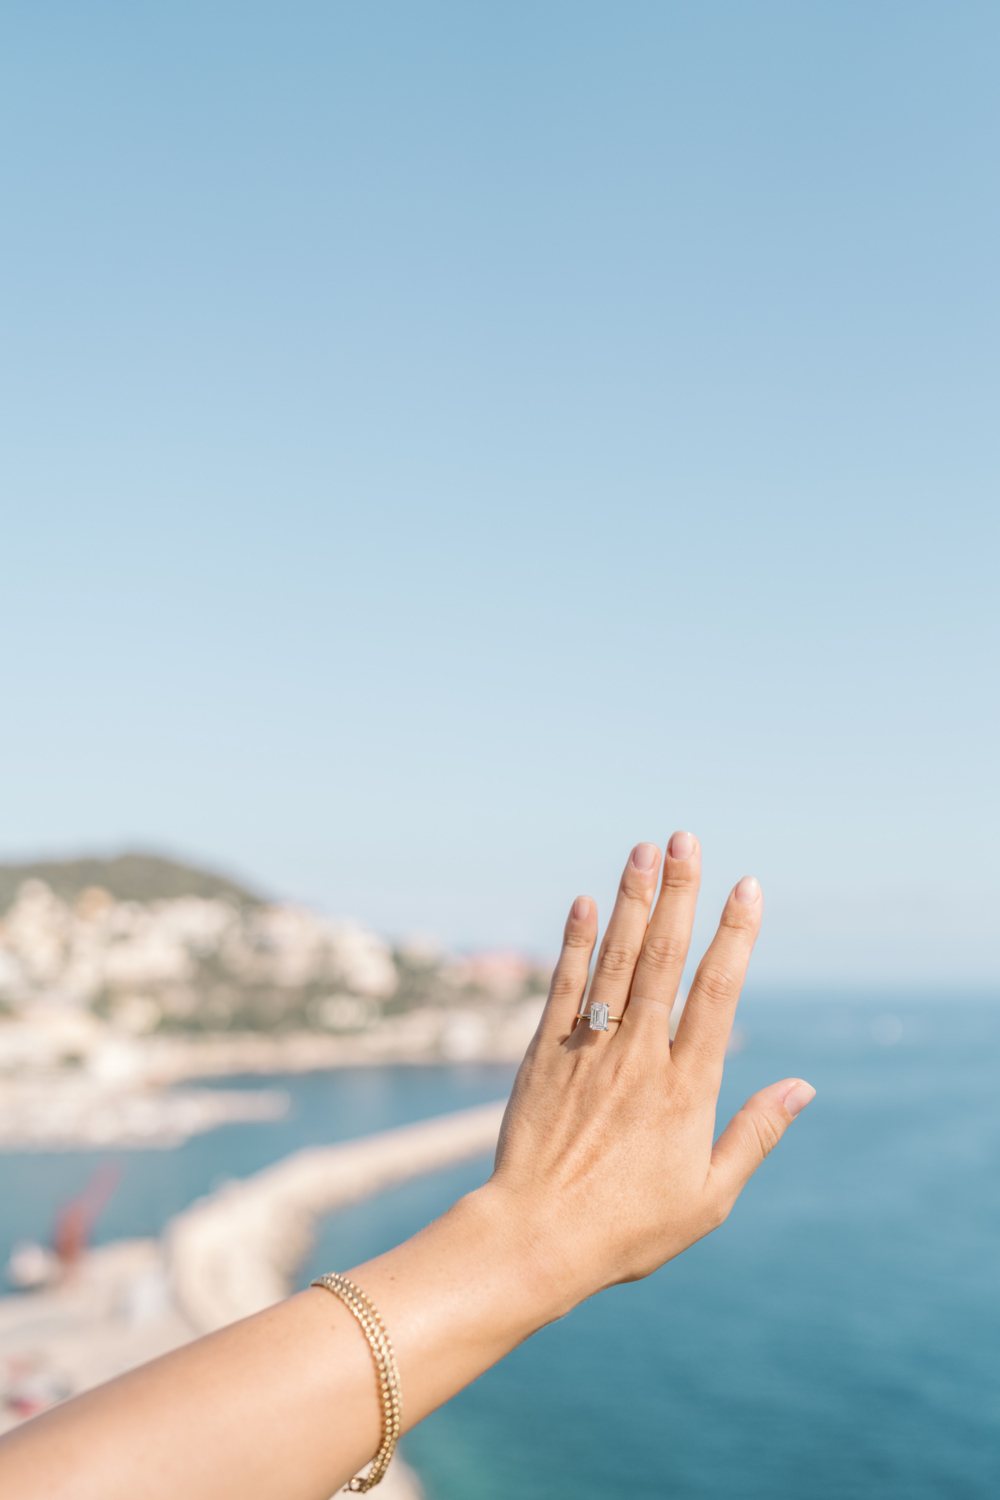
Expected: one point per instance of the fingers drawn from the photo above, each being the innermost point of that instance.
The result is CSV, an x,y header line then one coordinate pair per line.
x,y
753,1132
626,930
665,947
569,978
700,1044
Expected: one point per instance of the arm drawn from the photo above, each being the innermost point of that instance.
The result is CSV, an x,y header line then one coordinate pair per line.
x,y
605,1169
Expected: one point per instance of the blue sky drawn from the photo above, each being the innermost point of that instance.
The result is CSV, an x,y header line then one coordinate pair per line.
x,y
444,445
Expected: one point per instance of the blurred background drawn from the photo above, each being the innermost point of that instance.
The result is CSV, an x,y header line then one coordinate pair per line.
x,y
442,446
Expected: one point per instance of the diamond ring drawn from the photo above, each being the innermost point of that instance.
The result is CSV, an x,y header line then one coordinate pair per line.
x,y
597,1015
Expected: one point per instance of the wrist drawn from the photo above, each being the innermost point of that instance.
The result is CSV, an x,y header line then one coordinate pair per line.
x,y
526,1251
465,1291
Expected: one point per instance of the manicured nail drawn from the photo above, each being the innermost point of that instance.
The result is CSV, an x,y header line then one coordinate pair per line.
x,y
644,856
681,845
581,908
747,890
798,1096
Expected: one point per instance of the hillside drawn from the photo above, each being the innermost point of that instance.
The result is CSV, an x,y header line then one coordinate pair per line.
x,y
137,945
126,877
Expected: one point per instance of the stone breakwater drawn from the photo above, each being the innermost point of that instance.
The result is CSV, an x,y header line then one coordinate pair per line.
x,y
235,1252
227,1256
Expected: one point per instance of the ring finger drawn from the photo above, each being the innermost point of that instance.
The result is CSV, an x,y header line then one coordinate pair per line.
x,y
623,940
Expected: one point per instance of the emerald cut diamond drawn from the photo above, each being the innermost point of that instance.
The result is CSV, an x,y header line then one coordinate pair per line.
x,y
598,1016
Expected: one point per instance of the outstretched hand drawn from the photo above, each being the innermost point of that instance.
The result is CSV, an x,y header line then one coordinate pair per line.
x,y
606,1168
607,1157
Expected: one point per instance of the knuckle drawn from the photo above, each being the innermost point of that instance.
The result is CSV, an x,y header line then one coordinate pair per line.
x,y
578,940
634,893
565,984
616,960
737,918
767,1133
676,878
717,985
664,952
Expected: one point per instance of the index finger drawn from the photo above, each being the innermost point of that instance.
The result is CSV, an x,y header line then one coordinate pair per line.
x,y
707,1019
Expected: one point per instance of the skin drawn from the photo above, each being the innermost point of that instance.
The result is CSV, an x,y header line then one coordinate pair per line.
x,y
605,1169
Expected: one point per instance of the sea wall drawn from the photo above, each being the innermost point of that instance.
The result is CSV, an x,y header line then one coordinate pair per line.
x,y
235,1252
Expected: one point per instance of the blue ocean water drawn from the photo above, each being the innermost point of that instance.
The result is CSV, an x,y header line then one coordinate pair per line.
x,y
839,1336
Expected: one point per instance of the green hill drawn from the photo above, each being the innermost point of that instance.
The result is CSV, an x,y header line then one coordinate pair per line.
x,y
128,877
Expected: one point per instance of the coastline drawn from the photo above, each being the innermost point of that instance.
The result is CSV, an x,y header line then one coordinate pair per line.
x,y
130,1094
431,1034
154,1092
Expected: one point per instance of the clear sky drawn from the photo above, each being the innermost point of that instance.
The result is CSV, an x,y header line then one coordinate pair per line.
x,y
443,444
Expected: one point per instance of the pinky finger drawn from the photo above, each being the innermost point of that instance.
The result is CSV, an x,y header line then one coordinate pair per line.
x,y
569,979
753,1133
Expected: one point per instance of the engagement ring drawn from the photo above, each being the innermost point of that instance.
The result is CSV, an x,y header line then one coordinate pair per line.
x,y
597,1015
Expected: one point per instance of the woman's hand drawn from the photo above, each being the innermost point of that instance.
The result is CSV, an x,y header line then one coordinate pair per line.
x,y
606,1155
605,1169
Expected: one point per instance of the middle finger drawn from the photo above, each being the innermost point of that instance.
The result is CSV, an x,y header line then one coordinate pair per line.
x,y
665,945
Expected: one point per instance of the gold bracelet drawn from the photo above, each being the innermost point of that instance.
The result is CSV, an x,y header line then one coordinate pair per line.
x,y
385,1368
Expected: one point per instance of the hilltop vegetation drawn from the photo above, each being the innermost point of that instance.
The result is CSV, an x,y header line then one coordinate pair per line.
x,y
126,877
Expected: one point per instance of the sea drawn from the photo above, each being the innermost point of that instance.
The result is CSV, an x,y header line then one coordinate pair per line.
x,y
838,1336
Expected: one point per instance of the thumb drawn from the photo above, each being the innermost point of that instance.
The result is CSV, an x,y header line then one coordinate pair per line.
x,y
754,1131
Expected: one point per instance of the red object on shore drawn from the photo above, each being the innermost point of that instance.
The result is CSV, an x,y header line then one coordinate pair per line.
x,y
75,1220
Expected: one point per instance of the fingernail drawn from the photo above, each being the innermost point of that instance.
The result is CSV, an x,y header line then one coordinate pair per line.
x,y
581,908
681,845
798,1096
644,856
747,890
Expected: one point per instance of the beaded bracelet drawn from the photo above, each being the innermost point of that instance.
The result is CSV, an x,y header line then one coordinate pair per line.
x,y
385,1367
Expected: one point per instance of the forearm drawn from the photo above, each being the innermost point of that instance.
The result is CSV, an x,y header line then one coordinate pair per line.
x,y
283,1406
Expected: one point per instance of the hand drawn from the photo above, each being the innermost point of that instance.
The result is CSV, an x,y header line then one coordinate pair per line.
x,y
606,1157
605,1169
